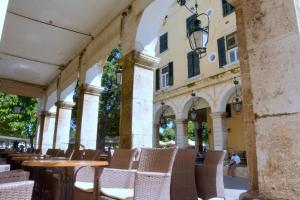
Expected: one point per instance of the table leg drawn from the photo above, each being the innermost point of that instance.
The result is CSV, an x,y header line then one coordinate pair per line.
x,y
67,182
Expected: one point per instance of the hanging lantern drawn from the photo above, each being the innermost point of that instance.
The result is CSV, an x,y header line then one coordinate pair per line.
x,y
163,120
119,76
237,103
17,108
193,114
198,33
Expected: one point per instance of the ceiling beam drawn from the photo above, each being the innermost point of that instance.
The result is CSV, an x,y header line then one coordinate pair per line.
x,y
50,23
20,88
60,67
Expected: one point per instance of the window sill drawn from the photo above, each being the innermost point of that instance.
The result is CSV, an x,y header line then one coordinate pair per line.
x,y
162,90
231,64
160,53
192,79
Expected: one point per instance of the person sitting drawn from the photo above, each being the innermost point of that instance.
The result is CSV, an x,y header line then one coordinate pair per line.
x,y
234,161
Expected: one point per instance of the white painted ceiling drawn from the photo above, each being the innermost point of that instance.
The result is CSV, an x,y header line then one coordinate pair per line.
x,y
32,51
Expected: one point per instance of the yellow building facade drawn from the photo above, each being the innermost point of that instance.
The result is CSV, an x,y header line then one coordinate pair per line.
x,y
211,78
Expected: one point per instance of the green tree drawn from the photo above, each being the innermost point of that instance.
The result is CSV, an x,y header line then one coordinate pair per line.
x,y
191,130
109,105
23,124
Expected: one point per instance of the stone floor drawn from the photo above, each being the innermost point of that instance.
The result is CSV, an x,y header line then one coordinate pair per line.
x,y
234,186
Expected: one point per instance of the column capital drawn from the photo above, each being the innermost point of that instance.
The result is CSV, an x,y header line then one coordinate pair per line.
x,y
90,89
65,105
215,115
140,59
47,114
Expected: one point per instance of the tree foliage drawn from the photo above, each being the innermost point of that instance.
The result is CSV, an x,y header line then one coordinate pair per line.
x,y
109,106
23,124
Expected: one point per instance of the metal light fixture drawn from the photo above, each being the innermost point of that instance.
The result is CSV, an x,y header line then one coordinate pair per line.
x,y
198,33
193,112
237,103
163,119
119,76
17,108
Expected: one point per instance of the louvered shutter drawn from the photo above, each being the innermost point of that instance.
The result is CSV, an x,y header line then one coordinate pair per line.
x,y
157,79
221,51
196,64
190,60
171,77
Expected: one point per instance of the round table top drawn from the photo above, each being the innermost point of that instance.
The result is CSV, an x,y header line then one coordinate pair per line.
x,y
64,163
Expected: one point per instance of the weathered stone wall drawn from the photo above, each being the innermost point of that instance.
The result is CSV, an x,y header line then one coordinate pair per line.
x,y
270,68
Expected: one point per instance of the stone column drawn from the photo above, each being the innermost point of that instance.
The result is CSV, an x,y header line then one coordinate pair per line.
x,y
156,134
219,130
269,45
62,124
182,133
136,117
87,117
47,131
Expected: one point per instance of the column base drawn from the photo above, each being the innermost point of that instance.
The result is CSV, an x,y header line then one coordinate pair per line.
x,y
250,195
253,195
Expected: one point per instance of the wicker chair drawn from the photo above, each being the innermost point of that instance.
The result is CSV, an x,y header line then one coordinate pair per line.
x,y
183,186
69,152
4,168
151,181
13,176
90,154
209,176
18,190
84,185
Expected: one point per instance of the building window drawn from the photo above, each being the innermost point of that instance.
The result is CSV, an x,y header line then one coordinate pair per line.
x,y
228,50
164,77
231,40
233,56
193,64
163,41
227,8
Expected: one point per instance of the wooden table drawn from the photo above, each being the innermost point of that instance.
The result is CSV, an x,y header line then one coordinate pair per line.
x,y
23,158
63,166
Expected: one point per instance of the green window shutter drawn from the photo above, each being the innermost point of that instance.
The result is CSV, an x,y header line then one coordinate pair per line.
x,y
163,42
196,64
157,79
171,76
190,60
221,51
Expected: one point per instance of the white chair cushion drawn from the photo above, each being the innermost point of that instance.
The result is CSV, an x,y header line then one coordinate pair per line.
x,y
118,193
85,186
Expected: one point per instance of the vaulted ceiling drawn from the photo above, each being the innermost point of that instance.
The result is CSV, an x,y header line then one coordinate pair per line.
x,y
41,36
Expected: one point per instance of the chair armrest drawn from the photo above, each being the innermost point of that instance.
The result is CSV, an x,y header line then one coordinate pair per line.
x,y
16,190
152,185
13,176
85,174
116,178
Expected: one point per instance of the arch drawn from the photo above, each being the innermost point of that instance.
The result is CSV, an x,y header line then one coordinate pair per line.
x,y
206,101
150,24
168,109
225,97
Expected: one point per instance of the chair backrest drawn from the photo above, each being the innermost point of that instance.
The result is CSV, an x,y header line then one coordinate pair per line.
x,y
49,152
38,151
76,155
183,186
157,160
90,154
214,158
69,152
123,158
